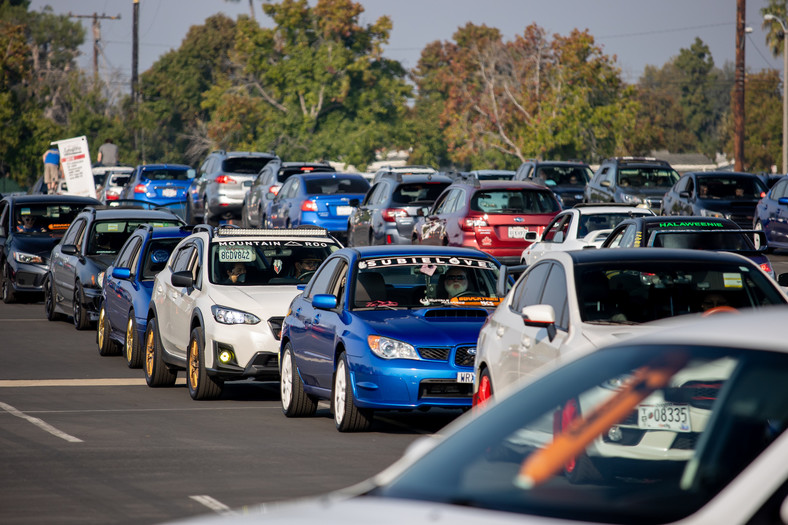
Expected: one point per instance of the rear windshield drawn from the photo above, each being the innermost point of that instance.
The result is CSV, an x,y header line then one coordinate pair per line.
x,y
156,256
108,237
335,185
46,220
423,192
168,174
647,177
245,165
704,240
729,188
119,180
285,172
563,175
514,201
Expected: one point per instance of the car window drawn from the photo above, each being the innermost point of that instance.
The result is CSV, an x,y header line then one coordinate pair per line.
x,y
779,190
124,257
556,226
555,295
293,190
729,188
336,185
263,264
181,261
528,290
628,239
165,174
514,201
421,192
444,205
108,237
647,177
602,221
562,175
324,278
73,232
373,194
45,219
157,253
4,217
245,165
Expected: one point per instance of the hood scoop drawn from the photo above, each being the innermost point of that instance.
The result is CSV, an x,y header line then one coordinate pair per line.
x,y
455,313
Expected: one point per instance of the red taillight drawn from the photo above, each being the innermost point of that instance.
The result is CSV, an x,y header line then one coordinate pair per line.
x,y
766,267
110,197
225,179
308,205
274,189
469,223
390,214
140,188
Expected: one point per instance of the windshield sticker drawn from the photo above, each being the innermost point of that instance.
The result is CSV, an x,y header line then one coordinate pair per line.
x,y
24,211
236,254
277,266
696,224
112,227
428,269
464,301
159,256
732,280
375,304
58,226
422,261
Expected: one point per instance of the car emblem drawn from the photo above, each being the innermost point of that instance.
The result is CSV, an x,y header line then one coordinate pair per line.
x,y
472,351
278,266
518,219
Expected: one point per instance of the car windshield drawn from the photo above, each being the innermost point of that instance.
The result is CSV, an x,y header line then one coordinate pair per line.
x,y
46,220
255,263
167,174
563,175
156,256
602,221
635,434
336,185
647,178
517,201
703,240
245,165
729,188
119,180
417,192
416,282
642,291
108,237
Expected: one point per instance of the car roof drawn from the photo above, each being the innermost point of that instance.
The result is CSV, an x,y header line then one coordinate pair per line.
x,y
36,199
147,167
406,250
328,175
415,179
594,209
501,185
723,173
559,163
169,232
614,255
130,213
304,233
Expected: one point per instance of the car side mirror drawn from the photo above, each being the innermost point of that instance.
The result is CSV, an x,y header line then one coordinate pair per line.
x,y
684,194
121,273
540,316
69,249
182,279
324,301
783,201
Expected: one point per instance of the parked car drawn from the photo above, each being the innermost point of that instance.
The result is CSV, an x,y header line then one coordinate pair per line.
x,y
217,193
580,227
506,464
639,181
115,178
568,300
217,307
386,328
30,226
390,207
498,217
697,233
729,195
771,216
255,206
126,288
567,179
319,199
88,247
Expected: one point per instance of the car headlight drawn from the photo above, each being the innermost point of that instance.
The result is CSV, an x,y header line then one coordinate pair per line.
x,y
391,348
712,213
631,199
28,258
229,316
100,279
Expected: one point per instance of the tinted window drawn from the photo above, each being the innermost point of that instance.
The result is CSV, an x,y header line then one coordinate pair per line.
x,y
336,185
514,201
563,175
73,233
729,188
529,289
166,174
324,277
245,165
555,294
647,177
108,237
266,265
181,261
423,192
124,257
45,219
157,253
601,221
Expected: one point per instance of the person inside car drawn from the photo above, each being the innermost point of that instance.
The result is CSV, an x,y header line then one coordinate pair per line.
x,y
236,273
27,224
305,268
455,282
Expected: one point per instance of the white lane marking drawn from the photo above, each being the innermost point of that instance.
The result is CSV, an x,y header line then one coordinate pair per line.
x,y
46,427
213,504
17,383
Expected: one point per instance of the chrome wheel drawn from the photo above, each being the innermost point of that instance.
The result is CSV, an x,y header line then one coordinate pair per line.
x,y
340,393
286,382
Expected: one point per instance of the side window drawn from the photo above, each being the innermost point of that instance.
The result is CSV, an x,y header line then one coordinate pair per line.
x,y
340,284
529,289
293,189
383,194
448,203
690,186
182,258
284,189
372,194
458,202
628,239
779,190
555,295
553,228
4,223
682,185
127,253
615,238
610,177
74,231
323,279
440,203
600,176
195,263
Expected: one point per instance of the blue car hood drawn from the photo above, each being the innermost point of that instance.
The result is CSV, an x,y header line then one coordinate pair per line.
x,y
426,326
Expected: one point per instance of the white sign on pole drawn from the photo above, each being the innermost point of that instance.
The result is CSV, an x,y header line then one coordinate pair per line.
x,y
75,161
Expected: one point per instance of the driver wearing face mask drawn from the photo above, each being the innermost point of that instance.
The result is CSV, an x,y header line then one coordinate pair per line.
x,y
455,282
236,274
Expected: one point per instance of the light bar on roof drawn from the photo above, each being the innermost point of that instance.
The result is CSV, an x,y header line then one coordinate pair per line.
x,y
271,232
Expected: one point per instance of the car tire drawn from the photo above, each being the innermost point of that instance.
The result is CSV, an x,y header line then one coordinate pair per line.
x,y
202,387
347,416
9,297
485,392
132,346
295,402
581,469
156,371
106,346
80,314
49,302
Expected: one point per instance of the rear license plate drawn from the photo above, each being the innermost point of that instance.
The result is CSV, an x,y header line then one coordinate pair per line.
x,y
169,192
517,232
345,210
665,416
465,377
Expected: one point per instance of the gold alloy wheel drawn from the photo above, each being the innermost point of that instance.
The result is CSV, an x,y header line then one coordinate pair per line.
x,y
129,339
194,364
102,333
150,353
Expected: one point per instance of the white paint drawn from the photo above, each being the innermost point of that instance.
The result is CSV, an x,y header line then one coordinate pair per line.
x,y
213,504
46,427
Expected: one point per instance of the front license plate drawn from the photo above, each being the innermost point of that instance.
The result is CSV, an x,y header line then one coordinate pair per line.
x,y
465,377
344,210
665,416
169,193
517,232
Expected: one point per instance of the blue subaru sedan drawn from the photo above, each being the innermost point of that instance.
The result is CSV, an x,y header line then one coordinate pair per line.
x,y
126,290
386,327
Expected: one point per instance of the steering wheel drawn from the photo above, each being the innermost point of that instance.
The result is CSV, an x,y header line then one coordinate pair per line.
x,y
719,309
306,276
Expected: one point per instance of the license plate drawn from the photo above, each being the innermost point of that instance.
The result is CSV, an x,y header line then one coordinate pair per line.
x,y
665,416
345,210
169,192
465,377
517,232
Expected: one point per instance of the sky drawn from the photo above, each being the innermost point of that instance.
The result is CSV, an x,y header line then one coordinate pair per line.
x,y
637,32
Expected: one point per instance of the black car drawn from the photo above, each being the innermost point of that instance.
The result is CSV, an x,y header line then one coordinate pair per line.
x,y
638,181
389,210
723,194
567,179
73,284
269,180
30,226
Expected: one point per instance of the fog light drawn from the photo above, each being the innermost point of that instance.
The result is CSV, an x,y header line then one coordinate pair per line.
x,y
225,356
614,434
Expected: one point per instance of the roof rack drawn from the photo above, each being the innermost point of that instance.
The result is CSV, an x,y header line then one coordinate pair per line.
x,y
603,204
273,232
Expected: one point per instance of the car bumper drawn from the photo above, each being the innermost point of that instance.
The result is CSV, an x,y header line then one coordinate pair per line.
x,y
255,351
92,302
27,277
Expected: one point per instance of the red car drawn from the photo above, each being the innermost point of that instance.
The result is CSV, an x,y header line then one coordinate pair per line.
x,y
498,217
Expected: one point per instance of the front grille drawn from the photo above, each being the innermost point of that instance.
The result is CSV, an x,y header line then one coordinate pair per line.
x,y
685,441
465,356
444,388
456,313
275,324
435,354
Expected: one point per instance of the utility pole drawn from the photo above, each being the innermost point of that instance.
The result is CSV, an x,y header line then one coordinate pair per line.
x,y
738,94
135,46
96,37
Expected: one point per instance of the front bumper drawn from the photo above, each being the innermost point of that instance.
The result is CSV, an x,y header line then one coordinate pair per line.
x,y
27,278
254,348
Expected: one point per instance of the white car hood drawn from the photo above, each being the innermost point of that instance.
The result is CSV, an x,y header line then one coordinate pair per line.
x,y
265,301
